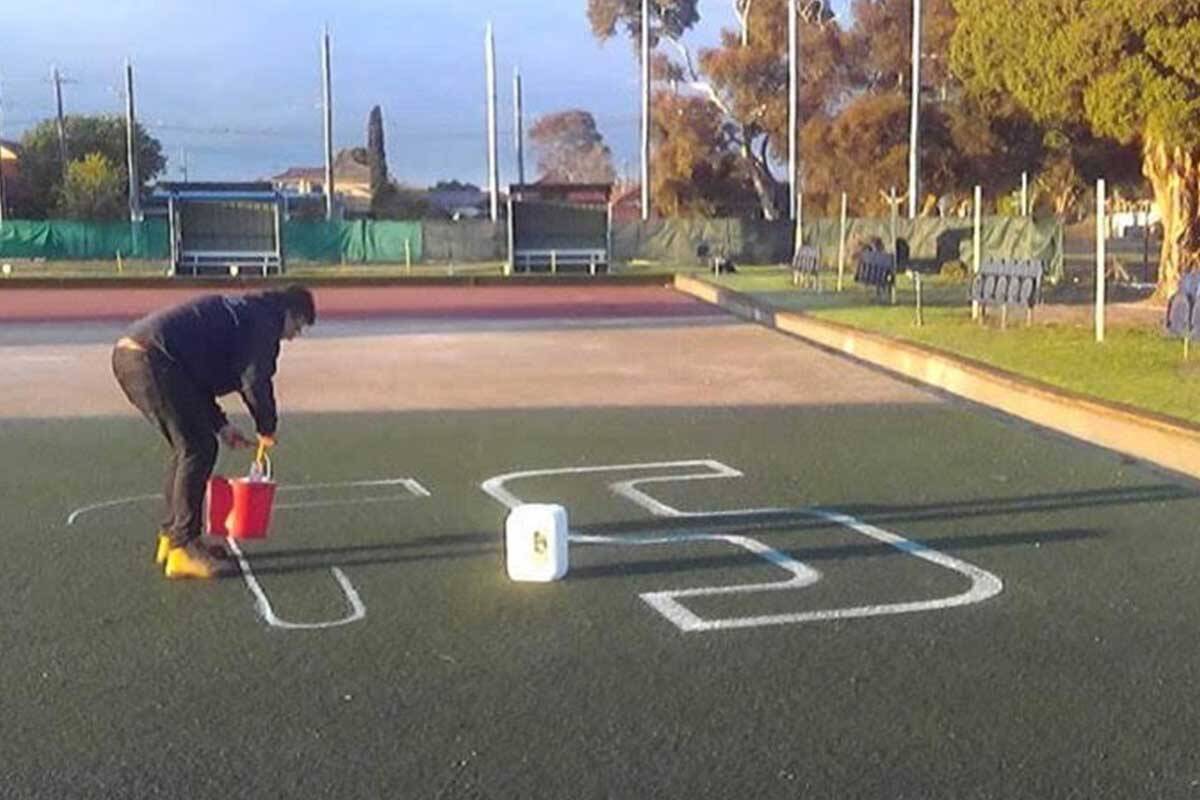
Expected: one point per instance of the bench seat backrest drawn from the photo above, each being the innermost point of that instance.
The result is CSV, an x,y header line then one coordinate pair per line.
x,y
1004,282
875,269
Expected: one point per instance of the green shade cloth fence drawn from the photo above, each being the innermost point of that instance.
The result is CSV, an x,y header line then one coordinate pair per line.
x,y
358,241
61,240
353,242
931,242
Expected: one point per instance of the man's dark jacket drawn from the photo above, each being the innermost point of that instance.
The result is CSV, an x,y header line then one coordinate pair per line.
x,y
224,344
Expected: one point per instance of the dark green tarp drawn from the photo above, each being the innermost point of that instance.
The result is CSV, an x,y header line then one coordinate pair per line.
x,y
465,241
357,241
63,240
931,242
353,242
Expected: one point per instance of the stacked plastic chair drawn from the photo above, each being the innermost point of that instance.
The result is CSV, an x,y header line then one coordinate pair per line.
x,y
1183,310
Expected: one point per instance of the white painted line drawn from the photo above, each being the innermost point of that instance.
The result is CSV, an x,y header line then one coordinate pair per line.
x,y
415,489
358,610
349,501
665,603
629,490
984,584
79,512
495,486
262,603
408,483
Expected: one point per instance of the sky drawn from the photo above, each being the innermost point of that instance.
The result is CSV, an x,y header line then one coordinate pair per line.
x,y
233,87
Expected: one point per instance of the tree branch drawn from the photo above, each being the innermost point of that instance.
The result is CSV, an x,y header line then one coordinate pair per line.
x,y
696,81
742,9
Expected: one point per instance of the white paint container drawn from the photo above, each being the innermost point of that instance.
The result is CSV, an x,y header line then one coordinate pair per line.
x,y
535,538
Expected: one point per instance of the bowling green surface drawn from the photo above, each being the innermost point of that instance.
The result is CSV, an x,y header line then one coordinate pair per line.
x,y
789,576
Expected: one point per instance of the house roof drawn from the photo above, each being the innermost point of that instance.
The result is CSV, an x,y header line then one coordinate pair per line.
x,y
345,170
579,193
633,193
316,174
12,147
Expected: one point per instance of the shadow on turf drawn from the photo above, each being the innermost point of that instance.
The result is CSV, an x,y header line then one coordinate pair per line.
x,y
306,559
800,518
465,545
868,549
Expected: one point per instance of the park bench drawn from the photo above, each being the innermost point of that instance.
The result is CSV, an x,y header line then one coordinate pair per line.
x,y
878,270
1007,283
806,265
529,260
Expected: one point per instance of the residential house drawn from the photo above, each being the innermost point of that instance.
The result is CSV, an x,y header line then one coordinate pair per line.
x,y
626,203
351,182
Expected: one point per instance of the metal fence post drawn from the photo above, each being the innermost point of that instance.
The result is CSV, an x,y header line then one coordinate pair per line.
x,y
1100,258
842,245
977,245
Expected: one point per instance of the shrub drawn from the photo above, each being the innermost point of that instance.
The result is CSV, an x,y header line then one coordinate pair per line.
x,y
954,270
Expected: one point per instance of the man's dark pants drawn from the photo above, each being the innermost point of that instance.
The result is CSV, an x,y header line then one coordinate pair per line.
x,y
168,397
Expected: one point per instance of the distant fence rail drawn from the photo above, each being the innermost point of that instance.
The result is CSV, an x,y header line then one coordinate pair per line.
x,y
928,242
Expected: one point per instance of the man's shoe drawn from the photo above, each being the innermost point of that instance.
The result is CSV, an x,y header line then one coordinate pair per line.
x,y
164,546
215,549
193,561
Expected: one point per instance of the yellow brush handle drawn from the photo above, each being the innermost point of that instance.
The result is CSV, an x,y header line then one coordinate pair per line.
x,y
262,452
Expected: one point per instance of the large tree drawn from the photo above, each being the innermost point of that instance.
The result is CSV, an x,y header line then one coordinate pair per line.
x,y
694,171
383,201
94,190
745,78
669,19
376,152
863,147
1128,69
570,149
42,170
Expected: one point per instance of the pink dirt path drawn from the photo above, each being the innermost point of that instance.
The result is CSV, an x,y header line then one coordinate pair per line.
x,y
426,302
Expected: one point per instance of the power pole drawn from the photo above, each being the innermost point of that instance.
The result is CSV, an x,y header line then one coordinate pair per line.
x,y
183,163
56,79
793,104
519,123
489,52
914,134
645,109
135,185
327,91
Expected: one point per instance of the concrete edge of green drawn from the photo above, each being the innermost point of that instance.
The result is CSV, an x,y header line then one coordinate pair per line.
x,y
1168,442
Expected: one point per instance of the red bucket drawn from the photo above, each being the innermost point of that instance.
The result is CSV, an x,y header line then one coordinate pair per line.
x,y
251,513
240,508
218,502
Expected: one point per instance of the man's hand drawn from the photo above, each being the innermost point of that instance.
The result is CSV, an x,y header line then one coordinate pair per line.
x,y
265,441
232,436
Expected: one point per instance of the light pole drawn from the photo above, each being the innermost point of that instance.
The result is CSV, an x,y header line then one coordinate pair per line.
x,y
915,127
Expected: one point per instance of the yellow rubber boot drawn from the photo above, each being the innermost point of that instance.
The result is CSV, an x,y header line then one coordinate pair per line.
x,y
164,546
192,561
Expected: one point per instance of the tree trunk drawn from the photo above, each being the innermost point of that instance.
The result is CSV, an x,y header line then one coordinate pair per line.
x,y
1174,174
764,184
